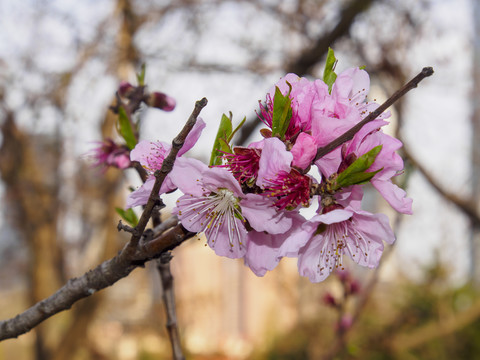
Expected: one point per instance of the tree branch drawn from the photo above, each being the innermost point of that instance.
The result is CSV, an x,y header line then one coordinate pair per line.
x,y
133,254
307,59
168,295
304,63
464,205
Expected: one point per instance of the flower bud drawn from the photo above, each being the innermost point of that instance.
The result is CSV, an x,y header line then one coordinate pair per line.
x,y
108,153
125,89
345,323
161,101
329,300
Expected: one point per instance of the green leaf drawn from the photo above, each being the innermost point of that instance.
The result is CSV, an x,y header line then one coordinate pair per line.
x,y
236,129
221,140
329,75
282,112
141,75
128,215
125,128
356,172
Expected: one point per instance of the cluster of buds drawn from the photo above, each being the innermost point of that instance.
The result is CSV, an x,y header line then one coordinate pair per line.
x,y
138,94
109,153
247,201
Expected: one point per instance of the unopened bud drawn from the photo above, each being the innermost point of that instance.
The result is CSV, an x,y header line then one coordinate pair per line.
x,y
108,153
266,133
354,287
161,101
125,89
329,300
345,323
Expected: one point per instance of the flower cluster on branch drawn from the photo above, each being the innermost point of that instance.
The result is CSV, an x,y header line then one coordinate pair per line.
x,y
248,200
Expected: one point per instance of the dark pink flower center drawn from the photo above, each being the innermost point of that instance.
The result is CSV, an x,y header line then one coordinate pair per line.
x,y
266,115
244,163
291,189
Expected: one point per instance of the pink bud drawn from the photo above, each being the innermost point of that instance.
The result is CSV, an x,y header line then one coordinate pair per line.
x,y
329,300
161,101
354,287
345,323
108,153
125,89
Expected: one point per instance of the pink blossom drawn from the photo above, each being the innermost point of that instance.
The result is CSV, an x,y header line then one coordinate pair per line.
x,y
151,156
302,93
108,153
288,186
264,250
358,234
215,204
244,163
387,162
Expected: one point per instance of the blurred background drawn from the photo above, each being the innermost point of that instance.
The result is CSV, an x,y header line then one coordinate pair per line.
x,y
60,65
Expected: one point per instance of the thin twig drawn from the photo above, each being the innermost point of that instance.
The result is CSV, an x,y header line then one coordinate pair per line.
x,y
168,295
463,204
160,175
348,135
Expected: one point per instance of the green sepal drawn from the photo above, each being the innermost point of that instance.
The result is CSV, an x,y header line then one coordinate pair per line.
x,y
282,112
223,134
329,75
141,75
124,127
128,215
356,173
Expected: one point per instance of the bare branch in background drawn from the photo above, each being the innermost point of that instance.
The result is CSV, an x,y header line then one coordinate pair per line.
x,y
304,62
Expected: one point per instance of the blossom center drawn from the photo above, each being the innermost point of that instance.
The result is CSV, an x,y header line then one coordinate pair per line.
x,y
291,189
340,238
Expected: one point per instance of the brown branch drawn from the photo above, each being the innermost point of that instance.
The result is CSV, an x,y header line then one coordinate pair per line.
x,y
160,175
348,135
168,295
104,275
464,205
304,63
133,254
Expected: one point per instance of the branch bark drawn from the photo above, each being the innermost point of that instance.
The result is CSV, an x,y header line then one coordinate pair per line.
x,y
163,266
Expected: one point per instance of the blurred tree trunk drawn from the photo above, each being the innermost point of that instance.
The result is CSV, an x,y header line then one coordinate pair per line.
x,y
106,188
29,170
475,238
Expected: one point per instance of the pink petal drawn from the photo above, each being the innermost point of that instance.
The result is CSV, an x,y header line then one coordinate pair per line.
x,y
334,216
192,136
141,195
304,150
394,195
262,216
219,177
186,175
274,159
